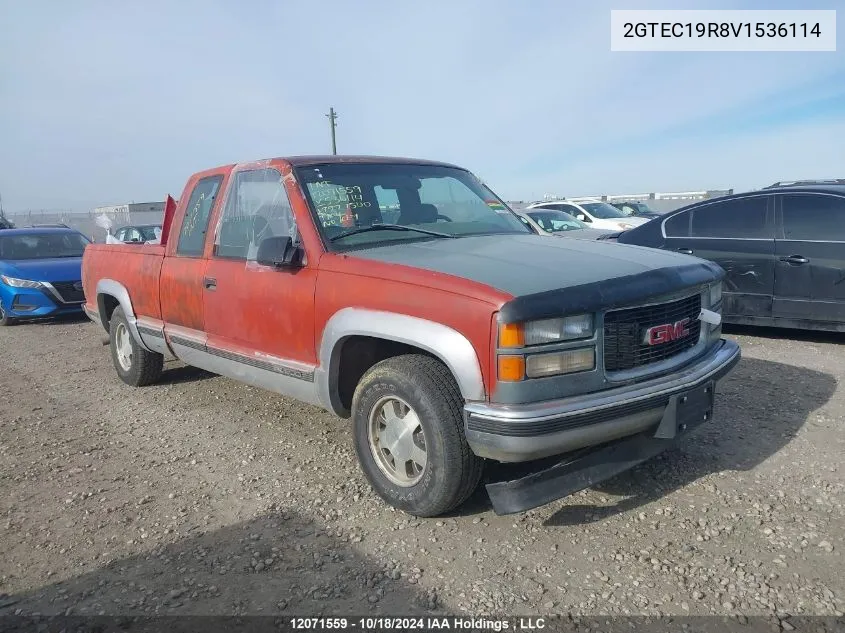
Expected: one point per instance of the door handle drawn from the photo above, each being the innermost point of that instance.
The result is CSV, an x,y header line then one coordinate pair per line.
x,y
685,251
795,260
209,283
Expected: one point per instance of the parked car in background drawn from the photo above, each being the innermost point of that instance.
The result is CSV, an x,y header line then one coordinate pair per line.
x,y
636,209
595,213
450,337
783,249
40,273
138,234
558,224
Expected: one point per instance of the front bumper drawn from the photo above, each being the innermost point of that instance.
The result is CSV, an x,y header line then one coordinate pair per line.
x,y
519,433
33,303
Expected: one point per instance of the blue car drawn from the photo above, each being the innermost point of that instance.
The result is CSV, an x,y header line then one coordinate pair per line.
x,y
40,273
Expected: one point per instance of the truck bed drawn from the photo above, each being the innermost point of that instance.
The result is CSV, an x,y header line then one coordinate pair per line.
x,y
135,266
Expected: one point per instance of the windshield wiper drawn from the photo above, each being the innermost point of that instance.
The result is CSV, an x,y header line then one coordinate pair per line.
x,y
389,227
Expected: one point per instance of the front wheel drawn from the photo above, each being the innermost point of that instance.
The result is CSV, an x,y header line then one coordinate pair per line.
x,y
409,438
135,366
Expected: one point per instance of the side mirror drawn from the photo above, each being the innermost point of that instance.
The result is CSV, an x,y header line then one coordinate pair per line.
x,y
279,252
582,217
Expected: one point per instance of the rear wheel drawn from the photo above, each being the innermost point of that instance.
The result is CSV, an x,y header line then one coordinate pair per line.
x,y
408,429
5,319
135,366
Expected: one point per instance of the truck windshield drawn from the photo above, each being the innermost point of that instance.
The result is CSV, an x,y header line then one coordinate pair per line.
x,y
442,200
42,245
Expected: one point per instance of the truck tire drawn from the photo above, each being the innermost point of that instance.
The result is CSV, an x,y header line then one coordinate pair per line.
x,y
135,366
409,408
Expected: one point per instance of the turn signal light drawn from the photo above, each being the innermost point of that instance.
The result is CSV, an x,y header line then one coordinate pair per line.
x,y
511,335
511,368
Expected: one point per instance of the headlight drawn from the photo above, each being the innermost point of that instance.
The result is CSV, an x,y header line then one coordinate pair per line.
x,y
715,294
546,331
19,283
556,363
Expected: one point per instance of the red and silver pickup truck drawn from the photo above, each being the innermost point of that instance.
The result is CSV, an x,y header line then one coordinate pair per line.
x,y
406,296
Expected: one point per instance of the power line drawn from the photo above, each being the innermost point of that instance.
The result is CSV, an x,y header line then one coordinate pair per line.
x,y
332,116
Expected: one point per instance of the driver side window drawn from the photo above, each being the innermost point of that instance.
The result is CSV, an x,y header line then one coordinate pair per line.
x,y
257,207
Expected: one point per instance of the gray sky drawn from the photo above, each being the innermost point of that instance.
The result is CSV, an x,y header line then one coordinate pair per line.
x,y
107,102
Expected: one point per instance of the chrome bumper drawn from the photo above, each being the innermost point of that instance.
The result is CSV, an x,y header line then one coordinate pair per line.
x,y
518,433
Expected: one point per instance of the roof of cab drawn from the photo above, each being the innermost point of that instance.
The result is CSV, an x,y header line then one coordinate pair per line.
x,y
300,161
323,159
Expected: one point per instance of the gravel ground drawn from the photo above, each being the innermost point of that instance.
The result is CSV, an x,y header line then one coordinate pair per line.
x,y
201,495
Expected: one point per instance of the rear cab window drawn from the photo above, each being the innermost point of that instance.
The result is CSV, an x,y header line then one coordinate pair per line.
x,y
197,214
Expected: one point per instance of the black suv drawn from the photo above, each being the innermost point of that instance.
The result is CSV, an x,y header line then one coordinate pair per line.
x,y
783,248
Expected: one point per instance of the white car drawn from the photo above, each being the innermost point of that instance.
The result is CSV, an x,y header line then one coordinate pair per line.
x,y
556,223
595,213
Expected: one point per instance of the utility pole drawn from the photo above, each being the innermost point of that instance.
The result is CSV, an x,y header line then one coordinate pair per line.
x,y
332,115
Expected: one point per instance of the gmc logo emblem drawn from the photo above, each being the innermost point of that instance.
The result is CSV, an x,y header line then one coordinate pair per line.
x,y
659,334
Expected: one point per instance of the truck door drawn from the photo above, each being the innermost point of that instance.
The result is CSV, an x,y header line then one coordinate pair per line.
x,y
259,319
181,281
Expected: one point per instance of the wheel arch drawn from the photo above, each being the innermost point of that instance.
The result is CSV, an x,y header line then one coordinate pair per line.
x,y
110,295
393,334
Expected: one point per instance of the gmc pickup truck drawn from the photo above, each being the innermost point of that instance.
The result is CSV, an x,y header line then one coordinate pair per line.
x,y
451,336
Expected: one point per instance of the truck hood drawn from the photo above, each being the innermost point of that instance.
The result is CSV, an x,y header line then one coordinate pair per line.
x,y
541,273
53,269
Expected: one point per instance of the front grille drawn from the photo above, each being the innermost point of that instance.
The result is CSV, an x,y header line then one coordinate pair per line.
x,y
624,332
68,293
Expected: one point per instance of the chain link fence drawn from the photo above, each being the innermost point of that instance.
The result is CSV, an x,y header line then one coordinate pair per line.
x,y
86,223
